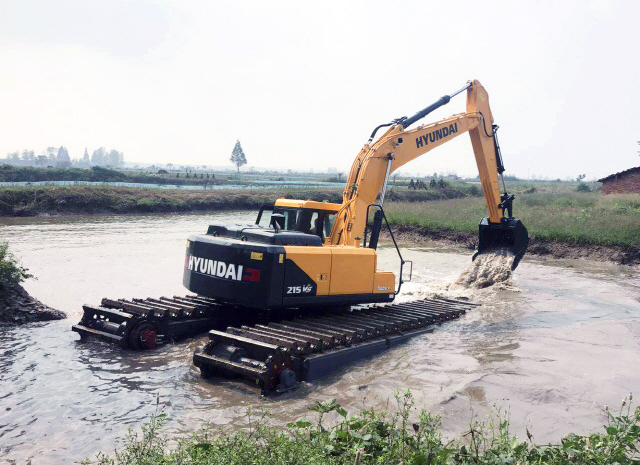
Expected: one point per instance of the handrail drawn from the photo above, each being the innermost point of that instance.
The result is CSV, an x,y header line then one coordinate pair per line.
x,y
402,260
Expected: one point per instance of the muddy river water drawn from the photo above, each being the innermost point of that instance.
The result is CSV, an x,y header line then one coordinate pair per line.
x,y
552,348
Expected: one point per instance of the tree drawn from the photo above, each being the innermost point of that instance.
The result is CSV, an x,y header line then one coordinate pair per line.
x,y
29,156
115,159
582,187
86,161
237,156
41,160
99,156
52,154
62,159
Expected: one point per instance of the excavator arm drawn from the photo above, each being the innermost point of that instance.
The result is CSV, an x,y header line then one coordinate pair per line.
x,y
399,145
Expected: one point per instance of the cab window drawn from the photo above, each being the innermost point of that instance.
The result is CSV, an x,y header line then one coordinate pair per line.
x,y
290,219
329,219
308,222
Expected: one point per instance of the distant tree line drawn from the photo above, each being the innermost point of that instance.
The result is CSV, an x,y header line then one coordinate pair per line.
x,y
58,157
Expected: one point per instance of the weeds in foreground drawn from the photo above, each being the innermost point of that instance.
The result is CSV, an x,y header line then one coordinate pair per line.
x,y
380,437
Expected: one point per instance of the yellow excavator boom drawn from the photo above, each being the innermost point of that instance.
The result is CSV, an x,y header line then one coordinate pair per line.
x,y
398,145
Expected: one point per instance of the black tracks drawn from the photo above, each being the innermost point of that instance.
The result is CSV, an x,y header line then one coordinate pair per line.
x,y
277,355
144,323
273,350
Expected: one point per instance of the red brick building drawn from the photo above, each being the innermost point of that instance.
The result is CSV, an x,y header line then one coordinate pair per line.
x,y
624,182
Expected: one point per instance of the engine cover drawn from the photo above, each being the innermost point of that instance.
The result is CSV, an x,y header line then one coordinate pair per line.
x,y
246,273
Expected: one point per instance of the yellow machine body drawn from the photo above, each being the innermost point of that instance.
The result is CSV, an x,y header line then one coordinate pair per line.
x,y
316,253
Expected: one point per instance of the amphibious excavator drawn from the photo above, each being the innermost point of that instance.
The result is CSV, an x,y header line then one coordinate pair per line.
x,y
299,292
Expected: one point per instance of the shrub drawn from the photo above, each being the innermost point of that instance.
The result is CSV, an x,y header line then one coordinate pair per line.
x,y
11,272
583,187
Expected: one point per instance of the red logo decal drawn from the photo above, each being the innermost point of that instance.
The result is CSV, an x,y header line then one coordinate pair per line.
x,y
251,274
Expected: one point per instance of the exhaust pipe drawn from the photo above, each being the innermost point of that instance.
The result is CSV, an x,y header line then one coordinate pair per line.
x,y
509,234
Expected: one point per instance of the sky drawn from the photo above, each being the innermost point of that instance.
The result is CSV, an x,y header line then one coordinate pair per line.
x,y
303,84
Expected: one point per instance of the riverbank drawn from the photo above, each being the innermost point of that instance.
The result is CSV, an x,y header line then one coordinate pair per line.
x,y
419,236
9,173
64,200
561,225
17,307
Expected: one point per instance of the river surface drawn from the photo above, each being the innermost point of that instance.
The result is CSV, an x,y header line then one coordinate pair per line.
x,y
552,347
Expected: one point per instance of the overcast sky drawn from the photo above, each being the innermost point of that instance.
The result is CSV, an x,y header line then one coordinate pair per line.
x,y
302,84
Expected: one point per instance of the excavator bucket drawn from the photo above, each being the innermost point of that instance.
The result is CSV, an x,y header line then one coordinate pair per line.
x,y
510,234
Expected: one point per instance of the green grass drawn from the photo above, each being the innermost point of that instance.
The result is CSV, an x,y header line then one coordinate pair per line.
x,y
575,217
378,437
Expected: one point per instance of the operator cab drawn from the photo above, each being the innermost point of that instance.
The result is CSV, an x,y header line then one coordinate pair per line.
x,y
287,222
303,216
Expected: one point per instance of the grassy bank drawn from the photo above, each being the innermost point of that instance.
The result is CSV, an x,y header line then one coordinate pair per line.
x,y
380,437
558,218
9,173
571,217
34,200
29,201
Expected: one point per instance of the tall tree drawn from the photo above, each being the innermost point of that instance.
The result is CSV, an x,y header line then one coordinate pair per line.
x,y
98,157
114,158
63,159
86,161
237,156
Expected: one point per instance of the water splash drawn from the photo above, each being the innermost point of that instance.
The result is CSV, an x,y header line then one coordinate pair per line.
x,y
479,280
488,269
